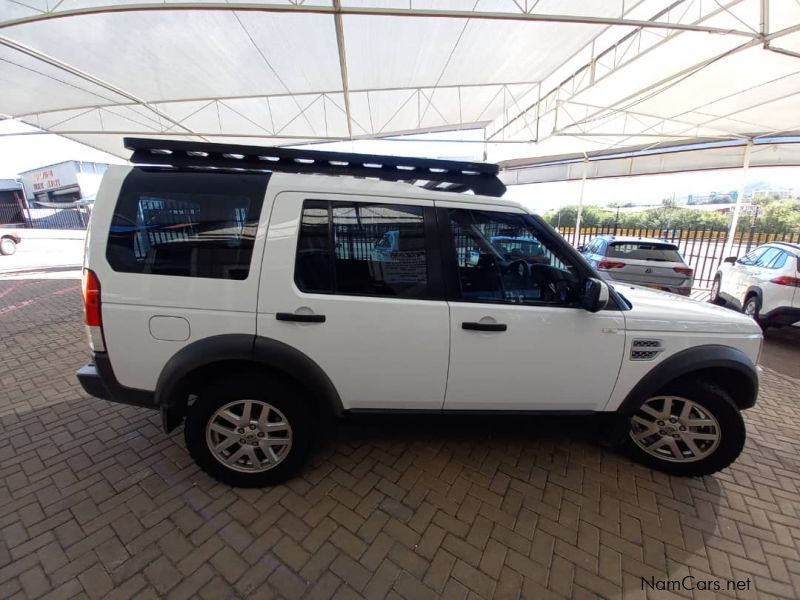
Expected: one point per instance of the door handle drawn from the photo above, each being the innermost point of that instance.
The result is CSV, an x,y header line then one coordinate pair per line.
x,y
472,326
299,318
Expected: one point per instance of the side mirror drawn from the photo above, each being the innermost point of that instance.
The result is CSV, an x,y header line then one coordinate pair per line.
x,y
730,259
594,294
581,249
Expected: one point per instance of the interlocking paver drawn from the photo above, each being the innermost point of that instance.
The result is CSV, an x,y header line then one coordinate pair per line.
x,y
95,501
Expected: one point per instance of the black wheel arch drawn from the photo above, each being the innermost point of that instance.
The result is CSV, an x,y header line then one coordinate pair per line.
x,y
754,290
727,367
219,355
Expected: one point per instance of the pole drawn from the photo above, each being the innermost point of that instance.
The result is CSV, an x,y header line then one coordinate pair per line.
x,y
580,201
739,200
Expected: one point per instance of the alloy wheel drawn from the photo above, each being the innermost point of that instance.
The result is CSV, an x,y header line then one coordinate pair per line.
x,y
675,429
249,436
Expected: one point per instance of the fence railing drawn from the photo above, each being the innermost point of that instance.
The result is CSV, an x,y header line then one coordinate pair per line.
x,y
702,249
44,218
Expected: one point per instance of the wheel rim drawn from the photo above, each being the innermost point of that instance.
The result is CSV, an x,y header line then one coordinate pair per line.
x,y
751,309
715,289
8,246
675,429
250,436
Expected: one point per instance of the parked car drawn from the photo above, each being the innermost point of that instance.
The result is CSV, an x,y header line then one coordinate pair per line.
x,y
509,247
763,284
8,242
644,261
250,306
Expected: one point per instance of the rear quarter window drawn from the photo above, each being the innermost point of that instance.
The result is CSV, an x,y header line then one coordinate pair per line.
x,y
644,251
186,224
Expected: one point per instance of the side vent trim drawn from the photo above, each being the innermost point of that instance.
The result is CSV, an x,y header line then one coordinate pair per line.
x,y
646,349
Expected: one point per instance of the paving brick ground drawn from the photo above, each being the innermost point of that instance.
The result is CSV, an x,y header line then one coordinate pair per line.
x,y
95,501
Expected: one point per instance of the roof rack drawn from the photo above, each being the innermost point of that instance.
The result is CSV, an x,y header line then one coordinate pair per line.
x,y
432,174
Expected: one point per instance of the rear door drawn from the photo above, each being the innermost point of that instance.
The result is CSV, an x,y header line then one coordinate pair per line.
x,y
774,295
177,257
742,272
355,284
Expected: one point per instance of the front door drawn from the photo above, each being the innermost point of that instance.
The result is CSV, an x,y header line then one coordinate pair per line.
x,y
354,283
519,340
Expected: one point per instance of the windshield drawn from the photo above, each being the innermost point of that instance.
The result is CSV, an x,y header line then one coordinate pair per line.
x,y
518,247
644,251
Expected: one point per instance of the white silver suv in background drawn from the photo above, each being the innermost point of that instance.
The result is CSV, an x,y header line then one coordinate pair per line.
x,y
643,261
764,284
252,293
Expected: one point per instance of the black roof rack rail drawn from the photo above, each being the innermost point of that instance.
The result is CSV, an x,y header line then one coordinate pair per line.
x,y
435,174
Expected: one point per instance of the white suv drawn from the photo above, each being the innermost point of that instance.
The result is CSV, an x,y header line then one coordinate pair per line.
x,y
763,284
239,289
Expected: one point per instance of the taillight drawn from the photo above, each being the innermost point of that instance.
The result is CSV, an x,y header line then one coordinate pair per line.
x,y
684,270
91,307
786,280
609,264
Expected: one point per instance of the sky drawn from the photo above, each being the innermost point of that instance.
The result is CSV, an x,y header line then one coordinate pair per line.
x,y
23,152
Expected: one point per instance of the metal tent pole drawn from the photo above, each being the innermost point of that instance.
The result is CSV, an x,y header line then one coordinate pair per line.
x,y
580,202
739,200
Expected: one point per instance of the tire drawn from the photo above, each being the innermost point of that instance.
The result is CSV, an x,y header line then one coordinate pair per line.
x,y
711,404
752,308
288,406
715,298
7,246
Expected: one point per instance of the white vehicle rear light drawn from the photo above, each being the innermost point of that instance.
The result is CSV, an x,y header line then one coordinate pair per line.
x,y
786,280
91,305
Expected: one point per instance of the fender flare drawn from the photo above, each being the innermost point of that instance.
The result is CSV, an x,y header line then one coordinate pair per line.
x,y
754,289
692,360
260,351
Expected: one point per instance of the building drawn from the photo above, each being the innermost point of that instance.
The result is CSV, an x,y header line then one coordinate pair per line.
x,y
62,184
11,202
772,194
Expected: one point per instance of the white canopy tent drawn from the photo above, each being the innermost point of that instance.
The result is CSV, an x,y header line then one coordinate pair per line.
x,y
535,78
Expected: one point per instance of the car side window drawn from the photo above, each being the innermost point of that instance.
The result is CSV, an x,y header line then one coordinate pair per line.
x,y
366,249
186,224
751,257
501,258
779,261
767,257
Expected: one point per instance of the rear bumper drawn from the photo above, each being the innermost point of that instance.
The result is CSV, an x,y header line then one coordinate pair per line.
x,y
682,287
783,315
98,380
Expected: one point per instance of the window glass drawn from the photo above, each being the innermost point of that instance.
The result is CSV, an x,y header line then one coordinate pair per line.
x,y
751,257
313,272
779,261
644,251
186,225
377,250
767,257
501,258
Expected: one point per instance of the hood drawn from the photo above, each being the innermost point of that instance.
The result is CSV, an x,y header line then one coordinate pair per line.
x,y
661,311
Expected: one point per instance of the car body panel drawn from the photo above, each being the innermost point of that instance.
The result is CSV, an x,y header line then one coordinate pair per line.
x,y
739,280
131,300
390,353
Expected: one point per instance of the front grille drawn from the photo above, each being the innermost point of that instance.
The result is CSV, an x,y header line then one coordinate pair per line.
x,y
645,349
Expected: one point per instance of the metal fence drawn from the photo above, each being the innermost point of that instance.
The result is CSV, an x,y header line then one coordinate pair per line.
x,y
44,218
701,248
